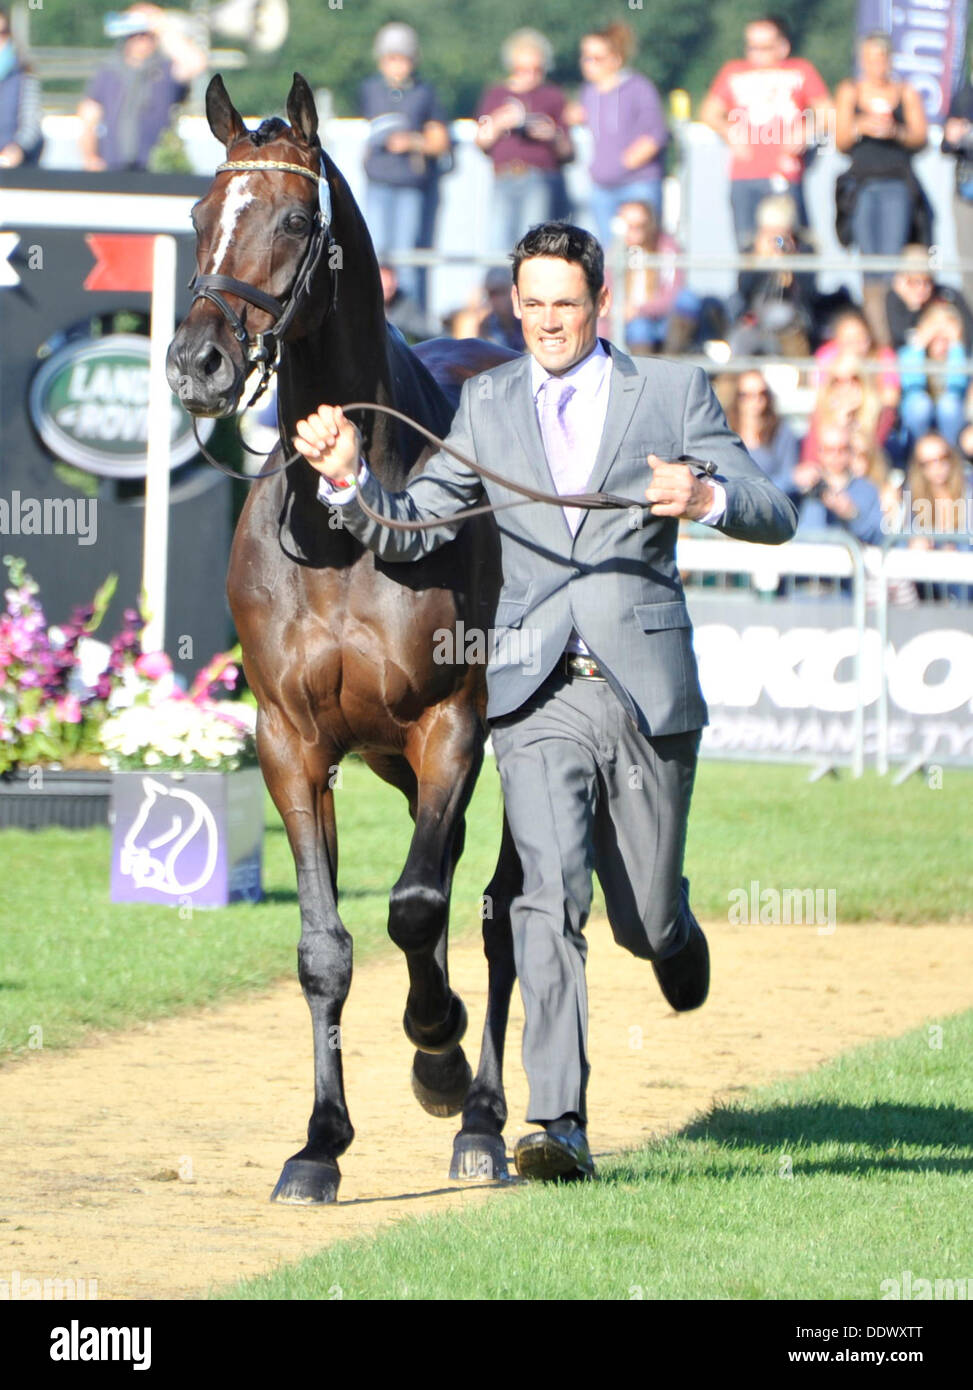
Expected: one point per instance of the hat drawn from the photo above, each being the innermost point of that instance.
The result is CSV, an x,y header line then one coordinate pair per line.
x,y
396,38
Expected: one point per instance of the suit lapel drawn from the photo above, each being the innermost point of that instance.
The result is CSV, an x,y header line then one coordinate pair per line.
x,y
624,392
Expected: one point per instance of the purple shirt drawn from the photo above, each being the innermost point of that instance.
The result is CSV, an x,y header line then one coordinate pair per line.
x,y
136,104
545,100
616,119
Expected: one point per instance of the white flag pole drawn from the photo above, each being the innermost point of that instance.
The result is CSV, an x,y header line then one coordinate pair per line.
x,y
155,546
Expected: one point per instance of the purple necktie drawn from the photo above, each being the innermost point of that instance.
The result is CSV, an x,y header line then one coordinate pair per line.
x,y
568,471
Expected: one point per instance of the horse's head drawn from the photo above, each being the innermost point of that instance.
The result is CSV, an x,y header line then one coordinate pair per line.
x,y
261,232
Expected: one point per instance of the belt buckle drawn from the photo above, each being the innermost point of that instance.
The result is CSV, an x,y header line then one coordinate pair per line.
x,y
583,666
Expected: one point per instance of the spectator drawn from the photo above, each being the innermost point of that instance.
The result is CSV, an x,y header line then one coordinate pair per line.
x,y
831,495
851,334
628,127
934,401
407,136
751,413
939,495
661,314
500,324
912,290
958,140
521,127
759,105
401,311
128,103
881,123
850,397
774,309
21,140
869,460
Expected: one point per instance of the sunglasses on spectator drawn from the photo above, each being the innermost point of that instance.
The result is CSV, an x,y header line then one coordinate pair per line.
x,y
753,395
935,458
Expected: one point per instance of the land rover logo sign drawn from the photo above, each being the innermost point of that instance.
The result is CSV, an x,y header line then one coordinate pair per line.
x,y
89,403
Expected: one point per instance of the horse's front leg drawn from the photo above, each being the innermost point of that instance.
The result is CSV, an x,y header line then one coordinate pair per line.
x,y
445,752
306,804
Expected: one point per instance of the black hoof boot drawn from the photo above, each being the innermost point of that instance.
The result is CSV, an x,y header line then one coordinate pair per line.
x,y
479,1158
449,1033
307,1182
440,1083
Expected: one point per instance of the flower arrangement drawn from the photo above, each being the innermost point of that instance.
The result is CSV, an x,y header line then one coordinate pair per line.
x,y
164,728
54,681
71,700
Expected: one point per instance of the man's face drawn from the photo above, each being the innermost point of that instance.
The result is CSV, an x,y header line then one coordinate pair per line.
x,y
138,48
559,316
834,451
914,288
765,45
396,68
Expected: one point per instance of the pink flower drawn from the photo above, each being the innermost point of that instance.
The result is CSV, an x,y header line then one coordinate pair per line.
x,y
153,665
27,724
68,709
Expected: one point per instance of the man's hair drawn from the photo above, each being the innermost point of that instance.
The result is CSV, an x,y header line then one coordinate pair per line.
x,y
564,242
778,22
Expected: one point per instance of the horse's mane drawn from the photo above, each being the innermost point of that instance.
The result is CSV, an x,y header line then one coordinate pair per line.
x,y
267,131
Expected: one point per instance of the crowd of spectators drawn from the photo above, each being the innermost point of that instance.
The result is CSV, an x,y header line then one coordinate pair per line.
x,y
892,409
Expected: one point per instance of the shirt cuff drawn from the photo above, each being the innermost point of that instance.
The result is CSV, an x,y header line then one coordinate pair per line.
x,y
717,512
333,496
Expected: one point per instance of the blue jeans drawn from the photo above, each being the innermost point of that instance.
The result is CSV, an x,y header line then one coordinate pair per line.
x,y
880,226
745,197
394,217
920,414
605,202
520,201
646,332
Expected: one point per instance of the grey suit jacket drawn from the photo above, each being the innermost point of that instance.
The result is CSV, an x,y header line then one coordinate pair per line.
x,y
615,580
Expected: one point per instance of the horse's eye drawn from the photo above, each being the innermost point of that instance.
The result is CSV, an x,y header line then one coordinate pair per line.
x,y
296,222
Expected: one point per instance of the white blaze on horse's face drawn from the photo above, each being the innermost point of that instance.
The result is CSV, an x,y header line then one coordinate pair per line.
x,y
237,198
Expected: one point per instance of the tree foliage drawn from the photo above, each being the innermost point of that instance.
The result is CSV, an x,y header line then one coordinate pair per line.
x,y
681,44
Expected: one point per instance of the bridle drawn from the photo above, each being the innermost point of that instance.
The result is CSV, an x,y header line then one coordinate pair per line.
x,y
263,352
262,348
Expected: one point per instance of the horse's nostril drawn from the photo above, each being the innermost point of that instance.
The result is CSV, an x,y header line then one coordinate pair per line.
x,y
209,360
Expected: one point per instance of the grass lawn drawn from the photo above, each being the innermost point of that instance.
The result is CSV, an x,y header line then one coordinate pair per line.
x,y
70,960
822,1187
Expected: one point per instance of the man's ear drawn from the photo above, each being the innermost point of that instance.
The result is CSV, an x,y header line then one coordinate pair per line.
x,y
515,301
604,300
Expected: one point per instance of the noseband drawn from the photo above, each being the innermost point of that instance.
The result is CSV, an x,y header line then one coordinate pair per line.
x,y
262,348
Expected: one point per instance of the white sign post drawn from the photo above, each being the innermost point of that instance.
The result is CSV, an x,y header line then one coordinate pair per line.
x,y
155,546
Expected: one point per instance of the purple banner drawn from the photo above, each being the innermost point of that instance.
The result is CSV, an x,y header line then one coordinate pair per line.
x,y
929,45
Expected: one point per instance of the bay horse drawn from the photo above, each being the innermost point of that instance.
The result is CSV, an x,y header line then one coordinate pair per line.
x,y
338,646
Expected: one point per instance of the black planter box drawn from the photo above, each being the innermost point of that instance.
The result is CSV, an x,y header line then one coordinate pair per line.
x,y
31,799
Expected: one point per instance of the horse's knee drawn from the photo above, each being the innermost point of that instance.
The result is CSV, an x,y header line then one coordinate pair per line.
x,y
324,965
417,915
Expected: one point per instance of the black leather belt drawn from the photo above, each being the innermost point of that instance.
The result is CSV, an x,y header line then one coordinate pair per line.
x,y
581,667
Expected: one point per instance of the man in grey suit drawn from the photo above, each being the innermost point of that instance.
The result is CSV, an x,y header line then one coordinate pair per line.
x,y
593,696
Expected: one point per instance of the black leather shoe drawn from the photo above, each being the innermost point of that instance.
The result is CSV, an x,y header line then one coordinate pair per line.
x,y
684,977
548,1156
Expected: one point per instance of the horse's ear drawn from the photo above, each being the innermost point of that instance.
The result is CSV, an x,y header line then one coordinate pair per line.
x,y
225,121
301,110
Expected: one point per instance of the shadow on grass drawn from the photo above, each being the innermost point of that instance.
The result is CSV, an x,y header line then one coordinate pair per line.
x,y
877,1132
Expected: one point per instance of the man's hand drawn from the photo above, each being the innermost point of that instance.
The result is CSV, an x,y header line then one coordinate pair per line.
x,y
677,491
330,443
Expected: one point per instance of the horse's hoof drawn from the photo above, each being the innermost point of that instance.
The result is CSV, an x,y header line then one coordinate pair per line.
x,y
440,1083
479,1158
307,1182
452,1030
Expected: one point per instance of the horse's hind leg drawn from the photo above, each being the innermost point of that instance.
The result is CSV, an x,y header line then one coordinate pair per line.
x,y
479,1150
323,959
445,756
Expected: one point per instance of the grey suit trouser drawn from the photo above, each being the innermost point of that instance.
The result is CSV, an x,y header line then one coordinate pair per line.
x,y
585,791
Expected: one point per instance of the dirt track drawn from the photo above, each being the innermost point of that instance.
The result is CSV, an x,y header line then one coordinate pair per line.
x,y
145,1159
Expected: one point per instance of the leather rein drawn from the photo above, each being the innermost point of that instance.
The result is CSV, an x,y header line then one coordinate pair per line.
x,y
263,348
